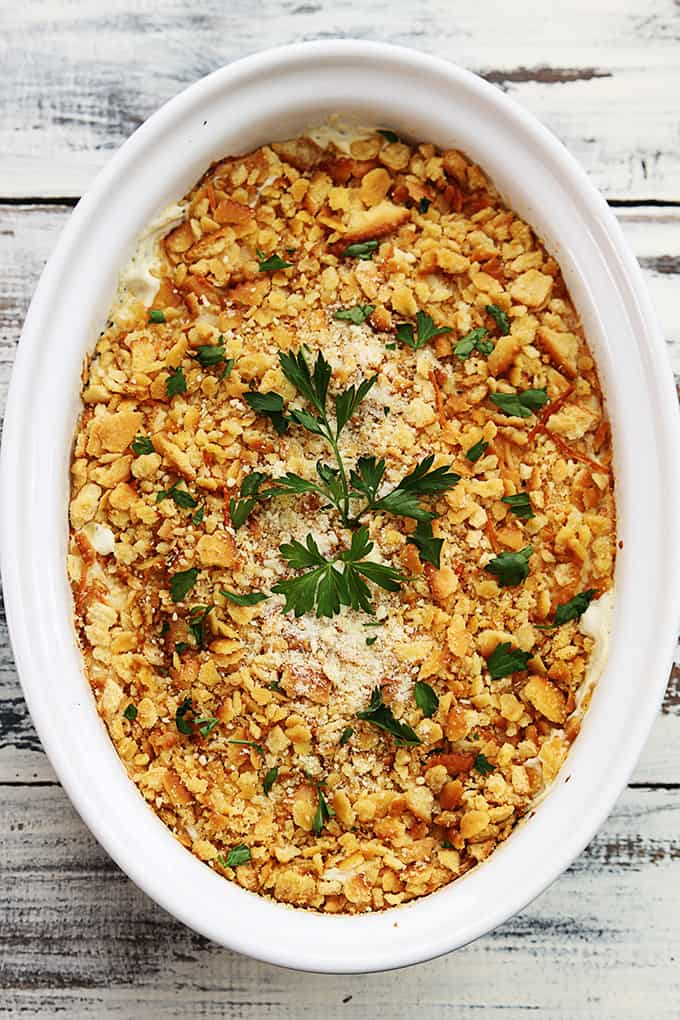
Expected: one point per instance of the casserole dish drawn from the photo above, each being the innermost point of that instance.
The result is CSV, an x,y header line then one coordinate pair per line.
x,y
265,98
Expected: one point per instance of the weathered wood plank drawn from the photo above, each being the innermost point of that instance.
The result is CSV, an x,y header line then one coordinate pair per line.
x,y
78,78
75,933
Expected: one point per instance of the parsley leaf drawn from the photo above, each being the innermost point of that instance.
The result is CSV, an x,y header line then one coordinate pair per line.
x,y
429,547
500,317
357,314
198,516
327,585
323,813
206,725
520,405
425,331
367,477
209,354
271,263
270,405
371,640
240,510
130,712
176,383
347,402
510,568
179,496
483,765
197,618
520,505
476,451
424,204
141,445
156,315
183,725
182,582
426,699
380,716
505,660
472,341
360,250
346,735
239,855
389,135
270,778
251,599
572,609
404,498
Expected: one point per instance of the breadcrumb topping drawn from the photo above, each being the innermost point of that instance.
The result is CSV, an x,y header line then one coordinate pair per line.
x,y
203,698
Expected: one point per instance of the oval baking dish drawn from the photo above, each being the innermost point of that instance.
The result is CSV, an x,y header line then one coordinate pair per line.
x,y
271,96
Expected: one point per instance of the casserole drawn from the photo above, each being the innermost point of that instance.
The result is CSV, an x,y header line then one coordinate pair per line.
x,y
268,97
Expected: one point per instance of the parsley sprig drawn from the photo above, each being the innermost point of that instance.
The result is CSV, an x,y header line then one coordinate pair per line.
x,y
381,716
425,330
328,584
337,488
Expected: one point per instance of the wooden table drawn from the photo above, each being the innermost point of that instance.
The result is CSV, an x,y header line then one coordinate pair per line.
x,y
77,937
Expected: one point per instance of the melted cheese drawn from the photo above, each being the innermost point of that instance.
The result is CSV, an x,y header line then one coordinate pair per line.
x,y
137,281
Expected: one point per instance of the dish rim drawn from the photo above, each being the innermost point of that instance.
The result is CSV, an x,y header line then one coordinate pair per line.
x,y
312,950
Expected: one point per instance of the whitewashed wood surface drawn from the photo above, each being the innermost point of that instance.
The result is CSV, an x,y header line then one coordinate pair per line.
x,y
76,937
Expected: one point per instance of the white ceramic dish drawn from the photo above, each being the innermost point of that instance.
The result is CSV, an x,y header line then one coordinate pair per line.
x,y
275,95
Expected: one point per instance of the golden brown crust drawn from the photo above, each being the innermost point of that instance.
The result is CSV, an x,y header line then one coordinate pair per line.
x,y
407,820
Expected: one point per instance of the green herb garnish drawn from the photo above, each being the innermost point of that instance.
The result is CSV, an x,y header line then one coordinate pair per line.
x,y
500,317
270,405
389,135
520,505
182,582
511,568
473,341
520,405
483,765
357,314
176,383
179,496
323,813
477,451
197,618
270,778
326,585
183,725
156,315
424,204
251,599
130,712
571,610
271,263
429,547
346,735
198,516
360,250
505,660
209,354
239,855
425,698
206,725
380,715
424,332
141,445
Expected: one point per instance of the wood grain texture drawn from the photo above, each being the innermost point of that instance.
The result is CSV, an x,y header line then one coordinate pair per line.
x,y
80,77
72,925
76,937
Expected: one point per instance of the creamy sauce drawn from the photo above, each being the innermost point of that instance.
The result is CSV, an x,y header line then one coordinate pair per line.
x,y
341,132
137,281
596,623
